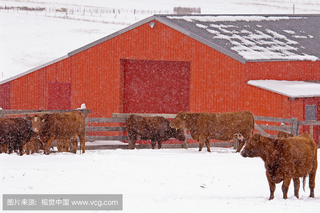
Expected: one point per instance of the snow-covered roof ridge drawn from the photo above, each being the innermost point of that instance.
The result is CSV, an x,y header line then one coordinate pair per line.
x,y
255,37
292,89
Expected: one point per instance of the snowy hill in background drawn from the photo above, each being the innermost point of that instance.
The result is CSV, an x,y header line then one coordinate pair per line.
x,y
34,32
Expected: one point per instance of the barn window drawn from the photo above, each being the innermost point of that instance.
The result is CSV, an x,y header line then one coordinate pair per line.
x,y
311,112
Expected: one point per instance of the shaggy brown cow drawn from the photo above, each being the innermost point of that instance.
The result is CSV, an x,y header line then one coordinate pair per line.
x,y
63,127
218,126
151,128
285,159
14,133
282,134
33,146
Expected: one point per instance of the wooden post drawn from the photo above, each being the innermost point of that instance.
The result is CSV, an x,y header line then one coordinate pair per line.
x,y
295,127
1,112
235,143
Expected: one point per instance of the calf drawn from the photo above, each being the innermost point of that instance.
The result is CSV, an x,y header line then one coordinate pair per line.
x,y
151,128
218,126
285,159
34,145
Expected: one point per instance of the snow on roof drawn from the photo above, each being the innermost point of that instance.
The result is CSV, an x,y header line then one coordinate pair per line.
x,y
293,89
257,37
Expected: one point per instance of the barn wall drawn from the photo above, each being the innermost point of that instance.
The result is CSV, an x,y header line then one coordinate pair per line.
x,y
97,78
26,92
5,95
282,70
266,103
31,91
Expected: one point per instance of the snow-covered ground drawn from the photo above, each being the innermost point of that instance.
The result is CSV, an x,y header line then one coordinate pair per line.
x,y
30,38
165,180
175,180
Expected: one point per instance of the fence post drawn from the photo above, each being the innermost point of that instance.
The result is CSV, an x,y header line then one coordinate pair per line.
x,y
235,143
295,126
1,112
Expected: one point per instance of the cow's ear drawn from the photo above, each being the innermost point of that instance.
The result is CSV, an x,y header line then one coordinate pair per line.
x,y
184,115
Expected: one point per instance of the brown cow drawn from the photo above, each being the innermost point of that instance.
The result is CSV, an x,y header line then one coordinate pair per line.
x,y
285,159
14,133
63,127
33,146
282,134
151,128
218,126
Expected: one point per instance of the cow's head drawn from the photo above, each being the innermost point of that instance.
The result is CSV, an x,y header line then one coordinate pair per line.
x,y
178,134
36,123
179,120
252,147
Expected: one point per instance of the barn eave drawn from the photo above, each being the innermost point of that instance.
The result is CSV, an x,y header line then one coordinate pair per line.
x,y
291,89
33,70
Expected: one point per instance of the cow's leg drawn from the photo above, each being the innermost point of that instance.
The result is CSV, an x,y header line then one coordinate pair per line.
x,y
132,142
153,143
74,144
201,143
285,187
59,145
272,186
208,145
48,146
296,184
20,149
159,144
312,177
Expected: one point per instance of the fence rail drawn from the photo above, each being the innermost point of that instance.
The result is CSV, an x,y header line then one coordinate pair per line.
x,y
290,125
9,113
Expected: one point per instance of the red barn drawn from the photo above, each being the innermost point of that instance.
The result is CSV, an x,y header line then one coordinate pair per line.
x,y
172,63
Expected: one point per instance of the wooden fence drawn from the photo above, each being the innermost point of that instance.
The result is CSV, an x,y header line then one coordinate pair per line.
x,y
290,125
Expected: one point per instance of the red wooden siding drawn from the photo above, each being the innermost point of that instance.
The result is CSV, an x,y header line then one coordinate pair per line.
x,y
265,103
25,92
283,70
32,90
5,95
59,95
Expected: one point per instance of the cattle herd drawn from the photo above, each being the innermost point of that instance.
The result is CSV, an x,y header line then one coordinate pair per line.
x,y
286,157
31,134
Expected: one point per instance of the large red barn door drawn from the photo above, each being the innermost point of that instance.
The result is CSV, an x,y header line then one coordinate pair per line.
x,y
59,95
156,86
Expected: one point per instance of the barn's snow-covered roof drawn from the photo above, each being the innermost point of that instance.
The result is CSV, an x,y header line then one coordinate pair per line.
x,y
256,37
247,37
292,89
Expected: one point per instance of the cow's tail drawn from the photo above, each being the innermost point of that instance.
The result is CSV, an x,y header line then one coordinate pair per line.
x,y
304,183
